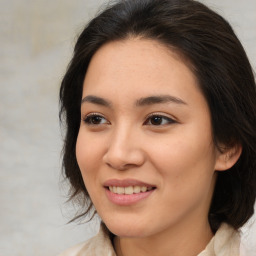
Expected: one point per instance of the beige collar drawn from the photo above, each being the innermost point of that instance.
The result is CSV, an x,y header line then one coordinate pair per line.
x,y
226,242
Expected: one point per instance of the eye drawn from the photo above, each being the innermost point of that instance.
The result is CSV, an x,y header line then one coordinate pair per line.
x,y
158,120
95,119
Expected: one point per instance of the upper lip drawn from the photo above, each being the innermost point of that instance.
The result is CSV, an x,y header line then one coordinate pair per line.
x,y
126,183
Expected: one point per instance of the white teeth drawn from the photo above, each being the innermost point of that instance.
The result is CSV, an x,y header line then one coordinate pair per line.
x,y
129,190
144,189
136,189
120,190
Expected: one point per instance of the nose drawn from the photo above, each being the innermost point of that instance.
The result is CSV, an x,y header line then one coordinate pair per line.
x,y
124,151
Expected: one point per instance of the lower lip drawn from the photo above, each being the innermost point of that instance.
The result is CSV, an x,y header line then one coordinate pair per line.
x,y
122,199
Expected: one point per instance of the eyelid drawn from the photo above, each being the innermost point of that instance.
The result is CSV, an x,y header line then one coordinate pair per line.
x,y
92,114
171,119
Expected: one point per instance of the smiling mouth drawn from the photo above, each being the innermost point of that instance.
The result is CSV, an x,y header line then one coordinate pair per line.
x,y
129,190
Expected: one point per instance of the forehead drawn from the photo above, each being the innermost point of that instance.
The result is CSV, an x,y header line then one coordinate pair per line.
x,y
143,66
133,54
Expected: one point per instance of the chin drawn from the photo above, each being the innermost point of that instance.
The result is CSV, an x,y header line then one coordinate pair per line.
x,y
126,229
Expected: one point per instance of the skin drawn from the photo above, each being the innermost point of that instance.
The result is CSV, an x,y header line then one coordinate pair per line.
x,y
177,156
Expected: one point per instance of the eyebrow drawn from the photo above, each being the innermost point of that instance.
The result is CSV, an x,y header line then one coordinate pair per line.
x,y
151,100
96,100
158,100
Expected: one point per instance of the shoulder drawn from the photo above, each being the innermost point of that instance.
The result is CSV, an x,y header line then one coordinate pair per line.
x,y
225,242
73,251
96,246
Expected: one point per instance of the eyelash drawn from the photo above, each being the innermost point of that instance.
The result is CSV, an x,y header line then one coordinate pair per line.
x,y
168,120
89,119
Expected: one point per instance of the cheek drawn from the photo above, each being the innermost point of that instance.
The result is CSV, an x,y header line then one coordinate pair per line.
x,y
89,159
187,171
81,151
186,157
87,155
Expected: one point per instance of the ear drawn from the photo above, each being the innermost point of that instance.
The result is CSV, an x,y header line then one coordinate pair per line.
x,y
226,159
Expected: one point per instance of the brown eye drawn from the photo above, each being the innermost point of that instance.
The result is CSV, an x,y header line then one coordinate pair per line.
x,y
95,120
158,120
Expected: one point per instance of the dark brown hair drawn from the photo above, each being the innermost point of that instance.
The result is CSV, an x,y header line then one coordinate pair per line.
x,y
224,75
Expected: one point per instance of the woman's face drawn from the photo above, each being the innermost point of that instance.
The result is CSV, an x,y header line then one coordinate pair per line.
x,y
145,147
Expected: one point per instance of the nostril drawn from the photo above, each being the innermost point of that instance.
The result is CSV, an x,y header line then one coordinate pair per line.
x,y
120,166
123,156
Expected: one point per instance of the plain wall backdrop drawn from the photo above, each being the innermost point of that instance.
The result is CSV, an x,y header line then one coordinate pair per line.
x,y
36,43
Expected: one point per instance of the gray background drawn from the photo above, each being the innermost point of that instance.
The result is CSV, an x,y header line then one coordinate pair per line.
x,y
36,41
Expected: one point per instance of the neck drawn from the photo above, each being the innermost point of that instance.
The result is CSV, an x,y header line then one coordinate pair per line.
x,y
182,241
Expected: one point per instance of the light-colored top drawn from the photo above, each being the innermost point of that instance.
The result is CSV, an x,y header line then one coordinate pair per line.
x,y
226,242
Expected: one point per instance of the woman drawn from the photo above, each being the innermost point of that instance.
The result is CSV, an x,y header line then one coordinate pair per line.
x,y
160,106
